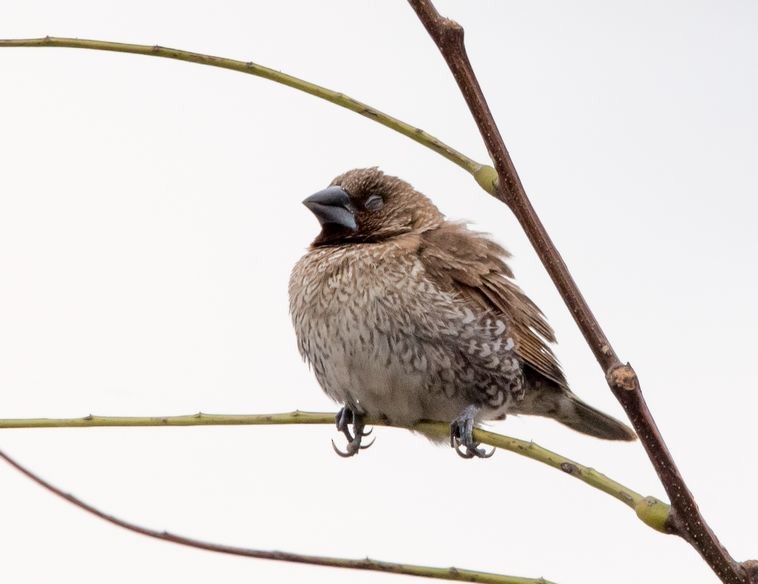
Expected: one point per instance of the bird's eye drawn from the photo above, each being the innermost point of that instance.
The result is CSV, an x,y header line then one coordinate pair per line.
x,y
374,203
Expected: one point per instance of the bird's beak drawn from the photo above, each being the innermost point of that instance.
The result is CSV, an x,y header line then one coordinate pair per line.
x,y
332,206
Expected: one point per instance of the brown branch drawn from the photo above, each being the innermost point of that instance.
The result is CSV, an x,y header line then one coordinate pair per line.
x,y
687,520
455,574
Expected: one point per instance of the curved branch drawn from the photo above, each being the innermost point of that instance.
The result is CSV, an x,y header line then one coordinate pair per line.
x,y
455,574
686,519
650,510
484,174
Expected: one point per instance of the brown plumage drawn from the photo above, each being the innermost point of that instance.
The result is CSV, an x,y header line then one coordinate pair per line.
x,y
407,316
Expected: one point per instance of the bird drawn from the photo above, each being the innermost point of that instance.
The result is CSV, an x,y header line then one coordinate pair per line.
x,y
405,316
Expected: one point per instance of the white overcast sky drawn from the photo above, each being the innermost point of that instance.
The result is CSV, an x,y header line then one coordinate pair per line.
x,y
150,214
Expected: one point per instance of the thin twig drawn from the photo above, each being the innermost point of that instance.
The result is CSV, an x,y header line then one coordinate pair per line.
x,y
686,519
484,174
650,510
455,574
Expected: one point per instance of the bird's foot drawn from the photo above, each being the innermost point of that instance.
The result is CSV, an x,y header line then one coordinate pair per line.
x,y
462,436
345,418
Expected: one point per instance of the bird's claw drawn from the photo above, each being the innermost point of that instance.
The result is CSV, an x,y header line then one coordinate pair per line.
x,y
345,417
472,451
352,448
462,437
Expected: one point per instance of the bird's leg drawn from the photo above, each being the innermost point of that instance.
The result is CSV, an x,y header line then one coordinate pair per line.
x,y
462,435
344,418
349,416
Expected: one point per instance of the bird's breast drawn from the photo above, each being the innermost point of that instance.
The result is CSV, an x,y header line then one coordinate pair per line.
x,y
381,335
360,317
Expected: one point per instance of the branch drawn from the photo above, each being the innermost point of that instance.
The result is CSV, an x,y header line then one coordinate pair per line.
x,y
686,519
484,175
650,510
455,574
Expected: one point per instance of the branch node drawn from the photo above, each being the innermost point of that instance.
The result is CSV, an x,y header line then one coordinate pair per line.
x,y
623,377
569,468
450,31
654,513
486,177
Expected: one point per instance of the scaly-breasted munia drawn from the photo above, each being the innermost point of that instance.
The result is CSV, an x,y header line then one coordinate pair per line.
x,y
406,316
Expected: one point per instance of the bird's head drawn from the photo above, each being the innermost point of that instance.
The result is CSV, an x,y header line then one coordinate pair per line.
x,y
365,205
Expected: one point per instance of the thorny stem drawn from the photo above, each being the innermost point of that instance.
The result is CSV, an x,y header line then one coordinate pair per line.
x,y
650,510
686,519
455,574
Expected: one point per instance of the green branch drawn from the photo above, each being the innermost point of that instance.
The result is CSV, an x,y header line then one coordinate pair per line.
x,y
649,509
483,174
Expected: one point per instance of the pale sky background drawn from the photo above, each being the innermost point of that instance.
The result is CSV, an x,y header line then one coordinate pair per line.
x,y
150,214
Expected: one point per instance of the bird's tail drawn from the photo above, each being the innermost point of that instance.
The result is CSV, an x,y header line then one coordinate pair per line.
x,y
559,403
582,417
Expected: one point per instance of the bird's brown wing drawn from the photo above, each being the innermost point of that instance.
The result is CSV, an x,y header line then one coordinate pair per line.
x,y
473,266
